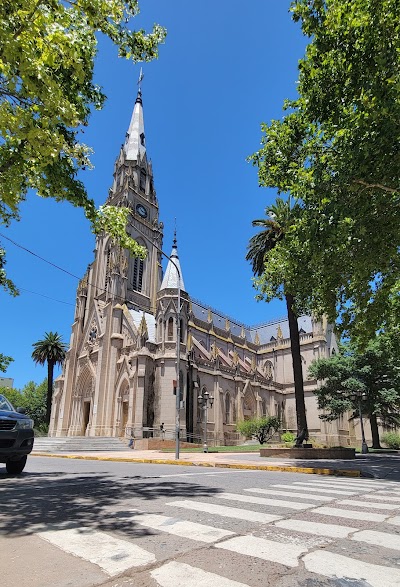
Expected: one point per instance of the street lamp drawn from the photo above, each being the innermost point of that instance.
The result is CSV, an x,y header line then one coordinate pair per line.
x,y
205,400
359,396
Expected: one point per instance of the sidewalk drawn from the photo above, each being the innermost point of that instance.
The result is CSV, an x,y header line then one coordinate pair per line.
x,y
379,466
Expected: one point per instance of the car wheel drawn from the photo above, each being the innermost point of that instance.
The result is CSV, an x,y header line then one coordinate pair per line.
x,y
16,467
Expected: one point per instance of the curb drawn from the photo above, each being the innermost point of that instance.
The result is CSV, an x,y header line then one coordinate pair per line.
x,y
283,468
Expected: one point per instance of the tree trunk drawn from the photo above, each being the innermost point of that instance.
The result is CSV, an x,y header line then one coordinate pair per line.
x,y
375,432
302,428
50,368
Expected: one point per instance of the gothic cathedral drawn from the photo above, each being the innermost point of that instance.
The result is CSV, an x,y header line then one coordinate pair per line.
x,y
119,377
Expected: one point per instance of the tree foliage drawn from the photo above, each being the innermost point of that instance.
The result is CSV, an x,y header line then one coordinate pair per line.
x,y
47,54
336,150
4,362
373,374
262,428
32,397
50,350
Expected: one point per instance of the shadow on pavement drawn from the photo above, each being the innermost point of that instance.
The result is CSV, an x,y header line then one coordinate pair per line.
x,y
38,502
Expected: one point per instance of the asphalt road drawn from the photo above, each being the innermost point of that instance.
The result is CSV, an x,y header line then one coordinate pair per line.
x,y
71,523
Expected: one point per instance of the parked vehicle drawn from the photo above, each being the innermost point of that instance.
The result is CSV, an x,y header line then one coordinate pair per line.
x,y
16,436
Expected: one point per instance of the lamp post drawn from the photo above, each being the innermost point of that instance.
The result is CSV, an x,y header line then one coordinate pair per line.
x,y
205,400
359,396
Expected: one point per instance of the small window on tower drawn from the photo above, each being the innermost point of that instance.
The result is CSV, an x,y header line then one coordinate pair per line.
x,y
137,279
142,180
170,332
142,142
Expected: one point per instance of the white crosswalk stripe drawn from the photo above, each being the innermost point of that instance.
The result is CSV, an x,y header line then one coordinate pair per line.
x,y
328,530
318,490
378,538
289,494
370,504
336,566
326,485
278,503
224,511
111,554
181,528
269,550
174,574
350,514
380,497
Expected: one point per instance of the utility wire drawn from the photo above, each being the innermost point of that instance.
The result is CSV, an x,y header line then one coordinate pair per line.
x,y
48,297
38,256
204,306
102,289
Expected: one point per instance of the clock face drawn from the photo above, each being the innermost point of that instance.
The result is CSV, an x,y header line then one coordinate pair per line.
x,y
141,210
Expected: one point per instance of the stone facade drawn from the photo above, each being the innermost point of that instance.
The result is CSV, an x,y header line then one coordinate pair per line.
x,y
120,371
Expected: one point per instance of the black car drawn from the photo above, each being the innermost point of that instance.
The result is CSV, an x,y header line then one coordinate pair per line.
x,y
16,436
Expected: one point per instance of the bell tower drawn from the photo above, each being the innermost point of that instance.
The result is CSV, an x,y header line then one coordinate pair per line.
x,y
133,187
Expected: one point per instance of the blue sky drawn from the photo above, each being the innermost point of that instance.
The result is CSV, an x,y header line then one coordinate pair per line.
x,y
226,67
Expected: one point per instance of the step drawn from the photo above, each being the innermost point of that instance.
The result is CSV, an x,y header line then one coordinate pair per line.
x,y
78,444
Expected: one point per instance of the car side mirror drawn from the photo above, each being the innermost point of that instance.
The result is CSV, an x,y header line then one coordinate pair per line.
x,y
21,410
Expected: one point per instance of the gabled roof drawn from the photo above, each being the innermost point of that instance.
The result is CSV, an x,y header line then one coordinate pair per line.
x,y
137,317
266,332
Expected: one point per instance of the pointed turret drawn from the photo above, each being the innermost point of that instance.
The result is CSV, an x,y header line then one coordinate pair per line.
x,y
171,277
135,144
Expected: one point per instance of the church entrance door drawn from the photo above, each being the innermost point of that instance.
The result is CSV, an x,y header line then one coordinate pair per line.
x,y
125,407
86,417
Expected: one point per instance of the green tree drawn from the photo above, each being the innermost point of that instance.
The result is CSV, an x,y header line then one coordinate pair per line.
x,y
280,217
4,362
35,402
32,397
373,373
262,428
50,350
14,396
47,55
336,149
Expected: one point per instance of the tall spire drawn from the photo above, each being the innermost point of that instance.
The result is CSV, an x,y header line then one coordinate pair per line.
x,y
171,277
135,143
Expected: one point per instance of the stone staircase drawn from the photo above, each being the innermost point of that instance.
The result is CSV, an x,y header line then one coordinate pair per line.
x,y
71,444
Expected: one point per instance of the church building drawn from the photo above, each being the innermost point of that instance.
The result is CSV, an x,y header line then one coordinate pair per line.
x,y
120,373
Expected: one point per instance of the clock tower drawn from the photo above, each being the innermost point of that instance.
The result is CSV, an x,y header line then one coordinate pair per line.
x,y
133,187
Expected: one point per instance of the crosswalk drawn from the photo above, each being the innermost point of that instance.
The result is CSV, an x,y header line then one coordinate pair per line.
x,y
316,526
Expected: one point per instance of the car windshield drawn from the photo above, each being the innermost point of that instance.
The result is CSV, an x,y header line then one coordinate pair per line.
x,y
5,404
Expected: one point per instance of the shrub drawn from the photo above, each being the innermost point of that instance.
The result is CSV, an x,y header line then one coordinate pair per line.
x,y
392,440
288,437
262,428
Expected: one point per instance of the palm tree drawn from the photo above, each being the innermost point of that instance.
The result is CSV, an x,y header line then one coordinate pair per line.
x,y
279,217
50,350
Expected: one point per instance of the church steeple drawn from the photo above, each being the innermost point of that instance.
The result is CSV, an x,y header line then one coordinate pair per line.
x,y
171,277
135,144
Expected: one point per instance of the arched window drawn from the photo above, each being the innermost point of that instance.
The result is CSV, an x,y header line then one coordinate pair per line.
x,y
137,279
170,331
227,409
268,370
181,331
264,407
